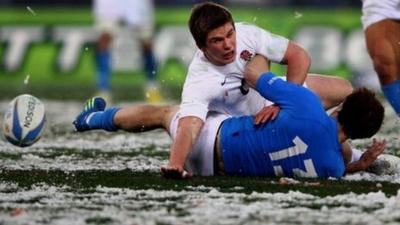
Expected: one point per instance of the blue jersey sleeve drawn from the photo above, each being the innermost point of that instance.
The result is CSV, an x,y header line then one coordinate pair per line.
x,y
283,93
277,90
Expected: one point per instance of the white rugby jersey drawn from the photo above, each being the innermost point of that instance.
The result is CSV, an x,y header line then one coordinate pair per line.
x,y
133,12
378,10
220,88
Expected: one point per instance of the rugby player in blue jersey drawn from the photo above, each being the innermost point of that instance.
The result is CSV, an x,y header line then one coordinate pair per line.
x,y
301,141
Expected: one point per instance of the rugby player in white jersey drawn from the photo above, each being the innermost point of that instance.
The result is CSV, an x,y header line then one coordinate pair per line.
x,y
381,23
138,17
215,80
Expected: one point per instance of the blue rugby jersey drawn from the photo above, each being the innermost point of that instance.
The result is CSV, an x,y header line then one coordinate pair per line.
x,y
301,141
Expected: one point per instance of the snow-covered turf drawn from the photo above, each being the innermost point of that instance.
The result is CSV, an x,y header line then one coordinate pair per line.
x,y
61,149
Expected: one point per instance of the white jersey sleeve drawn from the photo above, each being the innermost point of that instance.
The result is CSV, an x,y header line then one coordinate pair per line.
x,y
374,11
194,102
271,46
198,91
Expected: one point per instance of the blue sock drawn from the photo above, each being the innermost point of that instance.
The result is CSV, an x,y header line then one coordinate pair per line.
x,y
150,66
392,94
103,67
103,120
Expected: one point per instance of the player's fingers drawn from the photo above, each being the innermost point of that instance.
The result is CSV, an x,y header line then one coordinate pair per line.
x,y
267,117
264,116
163,169
186,174
166,171
380,148
259,117
256,120
173,174
275,114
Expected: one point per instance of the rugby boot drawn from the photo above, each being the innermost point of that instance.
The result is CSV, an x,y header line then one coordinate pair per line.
x,y
92,105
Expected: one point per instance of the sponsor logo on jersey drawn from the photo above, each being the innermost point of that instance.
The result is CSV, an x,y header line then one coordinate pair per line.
x,y
246,55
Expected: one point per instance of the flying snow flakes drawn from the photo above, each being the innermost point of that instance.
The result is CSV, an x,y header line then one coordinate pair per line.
x,y
26,80
31,11
297,15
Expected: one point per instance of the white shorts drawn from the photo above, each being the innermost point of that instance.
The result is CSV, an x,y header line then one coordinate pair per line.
x,y
201,159
374,11
137,15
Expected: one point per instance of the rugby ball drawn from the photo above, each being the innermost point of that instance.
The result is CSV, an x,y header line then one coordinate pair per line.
x,y
24,120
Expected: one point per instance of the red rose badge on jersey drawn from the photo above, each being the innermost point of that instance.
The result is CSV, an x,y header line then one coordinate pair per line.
x,y
246,55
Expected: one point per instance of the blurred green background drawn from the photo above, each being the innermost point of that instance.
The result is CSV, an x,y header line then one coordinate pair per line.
x,y
48,82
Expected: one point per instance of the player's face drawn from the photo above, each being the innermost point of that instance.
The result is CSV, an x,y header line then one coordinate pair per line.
x,y
220,46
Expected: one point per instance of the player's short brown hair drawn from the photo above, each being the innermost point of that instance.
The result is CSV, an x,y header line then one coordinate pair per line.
x,y
361,115
206,17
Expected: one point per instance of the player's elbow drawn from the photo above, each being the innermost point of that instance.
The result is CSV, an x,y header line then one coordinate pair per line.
x,y
307,59
296,55
302,57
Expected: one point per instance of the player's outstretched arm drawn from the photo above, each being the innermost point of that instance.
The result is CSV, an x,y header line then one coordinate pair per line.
x,y
368,157
188,130
298,63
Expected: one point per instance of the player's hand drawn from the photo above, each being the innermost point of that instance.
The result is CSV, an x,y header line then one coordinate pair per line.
x,y
253,70
372,153
175,172
266,113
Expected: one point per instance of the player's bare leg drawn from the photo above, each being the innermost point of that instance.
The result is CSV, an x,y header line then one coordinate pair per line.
x,y
144,117
137,118
383,40
331,89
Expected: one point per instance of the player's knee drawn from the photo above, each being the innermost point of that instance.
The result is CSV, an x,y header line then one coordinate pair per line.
x,y
346,87
169,110
147,46
384,67
168,113
384,58
104,41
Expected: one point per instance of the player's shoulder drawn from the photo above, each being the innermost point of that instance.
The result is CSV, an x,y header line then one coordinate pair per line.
x,y
244,26
202,78
250,31
200,66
